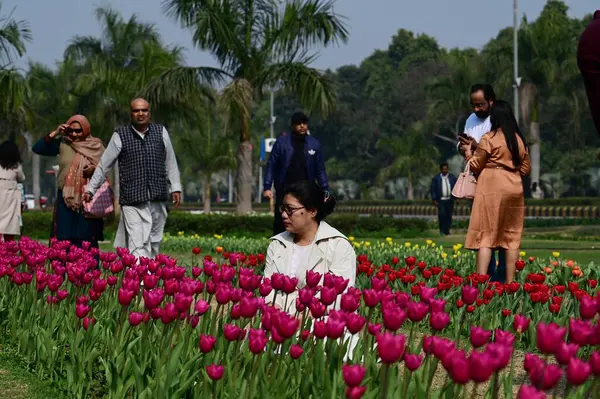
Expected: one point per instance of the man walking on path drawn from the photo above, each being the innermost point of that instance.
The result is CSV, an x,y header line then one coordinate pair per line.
x,y
148,177
441,194
478,124
295,157
588,60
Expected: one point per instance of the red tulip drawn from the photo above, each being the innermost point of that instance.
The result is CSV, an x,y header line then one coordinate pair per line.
x,y
353,374
529,392
469,294
296,351
88,322
521,323
196,250
257,341
587,307
355,392
390,347
215,372
81,310
328,295
439,320
417,311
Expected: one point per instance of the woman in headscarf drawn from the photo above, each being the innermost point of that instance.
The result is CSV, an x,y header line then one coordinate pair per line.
x,y
78,155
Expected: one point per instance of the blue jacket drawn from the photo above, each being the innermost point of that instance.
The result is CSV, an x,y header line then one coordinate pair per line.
x,y
281,157
436,186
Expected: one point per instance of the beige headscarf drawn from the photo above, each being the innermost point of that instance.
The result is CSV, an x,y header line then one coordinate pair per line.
x,y
88,152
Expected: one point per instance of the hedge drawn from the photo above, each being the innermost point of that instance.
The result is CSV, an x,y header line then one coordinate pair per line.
x,y
37,224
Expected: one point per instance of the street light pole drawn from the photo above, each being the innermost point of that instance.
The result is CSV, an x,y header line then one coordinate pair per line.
x,y
272,133
517,79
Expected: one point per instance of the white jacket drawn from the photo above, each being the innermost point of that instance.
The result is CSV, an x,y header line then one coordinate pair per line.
x,y
331,252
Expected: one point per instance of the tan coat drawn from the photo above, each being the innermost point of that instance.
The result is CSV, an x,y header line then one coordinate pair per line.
x,y
498,207
331,252
10,200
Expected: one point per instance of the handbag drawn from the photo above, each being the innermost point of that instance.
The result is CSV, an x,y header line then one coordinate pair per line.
x,y
102,203
465,185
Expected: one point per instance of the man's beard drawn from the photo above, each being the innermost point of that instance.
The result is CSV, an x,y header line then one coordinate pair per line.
x,y
482,114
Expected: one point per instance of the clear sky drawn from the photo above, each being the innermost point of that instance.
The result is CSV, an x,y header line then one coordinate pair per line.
x,y
454,23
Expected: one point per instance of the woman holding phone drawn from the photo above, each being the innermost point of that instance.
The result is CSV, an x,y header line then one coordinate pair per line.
x,y
78,154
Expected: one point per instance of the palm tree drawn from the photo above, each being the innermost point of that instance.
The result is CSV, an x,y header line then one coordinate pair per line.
x,y
13,37
259,44
413,156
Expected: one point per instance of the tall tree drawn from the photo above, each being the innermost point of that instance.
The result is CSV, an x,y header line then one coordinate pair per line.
x,y
259,44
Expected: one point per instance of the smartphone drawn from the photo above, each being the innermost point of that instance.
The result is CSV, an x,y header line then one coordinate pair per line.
x,y
463,135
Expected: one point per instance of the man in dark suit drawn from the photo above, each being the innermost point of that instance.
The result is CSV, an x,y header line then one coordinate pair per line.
x,y
588,59
441,194
295,157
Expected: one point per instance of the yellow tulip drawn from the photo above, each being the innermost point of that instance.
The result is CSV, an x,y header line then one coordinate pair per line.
x,y
367,244
428,242
444,255
180,233
388,239
556,254
522,254
407,244
351,238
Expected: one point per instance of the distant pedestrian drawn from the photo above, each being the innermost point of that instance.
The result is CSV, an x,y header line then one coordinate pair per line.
x,y
148,177
441,194
294,158
588,60
11,173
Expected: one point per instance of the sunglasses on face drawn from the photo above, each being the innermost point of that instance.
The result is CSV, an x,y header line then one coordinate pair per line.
x,y
289,210
138,110
70,130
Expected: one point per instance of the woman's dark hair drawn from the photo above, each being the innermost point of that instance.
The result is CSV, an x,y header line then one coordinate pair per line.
x,y
502,117
312,197
10,156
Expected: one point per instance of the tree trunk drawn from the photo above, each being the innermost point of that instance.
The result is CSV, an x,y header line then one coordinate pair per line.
x,y
410,194
243,179
35,178
534,150
206,194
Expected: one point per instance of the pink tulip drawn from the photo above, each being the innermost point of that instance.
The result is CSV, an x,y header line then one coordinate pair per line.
x,y
335,328
99,285
548,335
402,299
545,377
112,280
257,341
62,294
88,322
529,392
587,307
286,325
170,313
207,343
355,323
353,374
305,296
296,351
150,281
378,284
393,317
500,354
390,347
248,307
125,296
481,366
580,331
215,372
183,302
442,347
504,338
578,371
289,284
427,344
428,294
201,307
595,363
355,392
469,294
312,279
371,297
437,305
328,295
439,320
521,323
135,318
458,367
317,309
374,329
417,311
319,329
265,288
412,362
350,302
479,336
82,310
564,352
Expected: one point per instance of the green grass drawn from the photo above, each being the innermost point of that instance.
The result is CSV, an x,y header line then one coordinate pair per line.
x,y
18,383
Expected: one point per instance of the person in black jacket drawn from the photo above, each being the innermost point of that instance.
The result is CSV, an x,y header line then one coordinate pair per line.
x,y
441,194
295,157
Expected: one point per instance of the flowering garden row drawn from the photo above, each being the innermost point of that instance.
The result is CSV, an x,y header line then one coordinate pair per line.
x,y
158,329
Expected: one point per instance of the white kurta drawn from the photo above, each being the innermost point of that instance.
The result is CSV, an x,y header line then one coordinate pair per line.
x,y
10,200
140,226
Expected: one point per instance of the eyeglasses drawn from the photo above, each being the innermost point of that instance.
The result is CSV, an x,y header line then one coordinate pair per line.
x,y
75,130
138,110
479,105
289,210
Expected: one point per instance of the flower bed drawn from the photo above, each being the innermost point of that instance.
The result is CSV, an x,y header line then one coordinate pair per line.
x,y
158,329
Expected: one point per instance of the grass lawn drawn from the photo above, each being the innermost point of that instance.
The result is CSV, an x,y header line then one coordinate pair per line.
x,y
18,383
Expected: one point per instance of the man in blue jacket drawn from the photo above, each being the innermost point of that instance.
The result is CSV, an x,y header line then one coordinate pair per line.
x,y
441,194
295,157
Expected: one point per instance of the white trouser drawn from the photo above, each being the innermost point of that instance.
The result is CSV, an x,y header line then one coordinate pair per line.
x,y
141,228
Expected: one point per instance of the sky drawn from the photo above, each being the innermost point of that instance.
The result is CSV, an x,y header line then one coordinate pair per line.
x,y
372,23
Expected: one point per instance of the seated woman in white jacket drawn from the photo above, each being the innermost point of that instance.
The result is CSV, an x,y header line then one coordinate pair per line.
x,y
308,243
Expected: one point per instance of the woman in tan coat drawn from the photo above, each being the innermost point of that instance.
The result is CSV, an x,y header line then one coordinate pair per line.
x,y
11,173
498,214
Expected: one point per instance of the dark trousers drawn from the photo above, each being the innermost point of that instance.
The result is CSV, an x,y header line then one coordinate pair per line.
x,y
498,273
278,227
445,209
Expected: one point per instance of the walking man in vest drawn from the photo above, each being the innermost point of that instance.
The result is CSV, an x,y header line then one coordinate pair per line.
x,y
148,176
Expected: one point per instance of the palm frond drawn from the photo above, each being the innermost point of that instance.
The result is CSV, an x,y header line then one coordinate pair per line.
x,y
13,36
